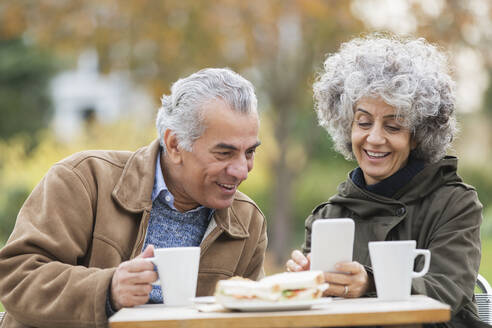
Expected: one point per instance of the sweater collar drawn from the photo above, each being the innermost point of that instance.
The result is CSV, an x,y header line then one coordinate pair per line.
x,y
389,186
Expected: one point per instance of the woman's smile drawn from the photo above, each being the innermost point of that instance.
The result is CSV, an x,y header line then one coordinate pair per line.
x,y
376,155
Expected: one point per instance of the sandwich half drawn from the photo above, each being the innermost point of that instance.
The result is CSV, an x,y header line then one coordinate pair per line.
x,y
304,285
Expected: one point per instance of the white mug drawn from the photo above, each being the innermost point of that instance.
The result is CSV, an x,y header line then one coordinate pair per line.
x,y
392,264
177,268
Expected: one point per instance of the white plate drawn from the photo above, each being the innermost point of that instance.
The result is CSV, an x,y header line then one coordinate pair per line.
x,y
203,300
250,306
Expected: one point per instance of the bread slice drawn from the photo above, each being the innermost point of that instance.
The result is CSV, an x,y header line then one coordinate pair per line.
x,y
294,280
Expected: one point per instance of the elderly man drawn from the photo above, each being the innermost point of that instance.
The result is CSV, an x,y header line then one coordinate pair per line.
x,y
76,253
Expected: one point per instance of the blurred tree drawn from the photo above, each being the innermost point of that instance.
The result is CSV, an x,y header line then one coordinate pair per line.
x,y
455,22
13,198
21,168
25,104
290,39
277,44
487,102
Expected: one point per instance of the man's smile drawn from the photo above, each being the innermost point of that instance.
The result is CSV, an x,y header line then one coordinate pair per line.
x,y
227,186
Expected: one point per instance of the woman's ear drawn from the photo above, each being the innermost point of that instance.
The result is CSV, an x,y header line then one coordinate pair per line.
x,y
173,151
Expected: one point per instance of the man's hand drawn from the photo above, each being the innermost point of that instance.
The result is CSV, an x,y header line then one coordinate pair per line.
x,y
131,283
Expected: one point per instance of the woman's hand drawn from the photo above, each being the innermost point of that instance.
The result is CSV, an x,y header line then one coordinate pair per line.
x,y
298,262
353,282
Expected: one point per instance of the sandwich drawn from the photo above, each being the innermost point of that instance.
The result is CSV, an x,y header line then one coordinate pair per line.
x,y
304,285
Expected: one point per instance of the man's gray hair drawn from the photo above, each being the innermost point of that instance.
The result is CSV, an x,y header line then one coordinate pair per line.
x,y
181,111
410,75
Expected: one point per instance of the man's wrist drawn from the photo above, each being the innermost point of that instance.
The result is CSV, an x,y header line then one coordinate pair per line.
x,y
110,310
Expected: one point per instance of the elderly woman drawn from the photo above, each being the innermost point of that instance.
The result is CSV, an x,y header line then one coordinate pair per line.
x,y
389,104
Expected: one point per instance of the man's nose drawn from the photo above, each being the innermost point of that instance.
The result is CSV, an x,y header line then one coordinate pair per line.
x,y
239,169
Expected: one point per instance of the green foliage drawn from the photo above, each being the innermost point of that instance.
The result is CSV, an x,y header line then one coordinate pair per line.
x,y
12,201
22,167
277,44
486,266
487,102
24,89
486,228
482,181
315,186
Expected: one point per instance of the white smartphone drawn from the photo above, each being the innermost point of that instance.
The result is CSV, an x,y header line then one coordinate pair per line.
x,y
332,241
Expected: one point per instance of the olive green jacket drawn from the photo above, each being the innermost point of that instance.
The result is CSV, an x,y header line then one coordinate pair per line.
x,y
90,213
436,209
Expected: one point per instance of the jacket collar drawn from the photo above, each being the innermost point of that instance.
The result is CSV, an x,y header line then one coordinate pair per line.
x,y
430,178
134,188
367,204
133,191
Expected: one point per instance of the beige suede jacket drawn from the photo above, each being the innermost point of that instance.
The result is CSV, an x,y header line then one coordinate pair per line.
x,y
89,214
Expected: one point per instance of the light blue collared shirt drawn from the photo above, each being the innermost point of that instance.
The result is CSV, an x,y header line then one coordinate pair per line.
x,y
160,184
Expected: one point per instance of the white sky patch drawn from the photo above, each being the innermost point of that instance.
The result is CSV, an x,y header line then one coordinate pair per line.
x,y
479,7
431,8
472,79
391,15
471,33
290,35
481,11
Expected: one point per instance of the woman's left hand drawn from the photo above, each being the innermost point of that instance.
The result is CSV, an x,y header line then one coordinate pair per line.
x,y
353,282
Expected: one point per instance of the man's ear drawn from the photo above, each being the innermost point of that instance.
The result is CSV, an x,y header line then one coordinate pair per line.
x,y
173,151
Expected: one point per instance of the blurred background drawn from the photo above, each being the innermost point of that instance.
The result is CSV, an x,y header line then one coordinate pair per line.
x,y
89,74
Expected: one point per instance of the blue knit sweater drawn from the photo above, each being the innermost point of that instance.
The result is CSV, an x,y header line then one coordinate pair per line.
x,y
170,228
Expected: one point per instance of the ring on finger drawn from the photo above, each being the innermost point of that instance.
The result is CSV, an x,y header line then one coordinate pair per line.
x,y
345,290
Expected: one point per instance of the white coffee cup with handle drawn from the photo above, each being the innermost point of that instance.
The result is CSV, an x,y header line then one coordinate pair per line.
x,y
177,268
392,264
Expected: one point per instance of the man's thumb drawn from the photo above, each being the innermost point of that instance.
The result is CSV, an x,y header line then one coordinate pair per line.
x,y
148,252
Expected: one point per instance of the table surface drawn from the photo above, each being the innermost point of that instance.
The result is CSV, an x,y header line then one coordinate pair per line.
x,y
340,312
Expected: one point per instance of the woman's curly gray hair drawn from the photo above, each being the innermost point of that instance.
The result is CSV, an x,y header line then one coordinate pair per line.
x,y
181,110
410,75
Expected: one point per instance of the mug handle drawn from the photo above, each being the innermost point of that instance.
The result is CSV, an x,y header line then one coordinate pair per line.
x,y
153,261
426,253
